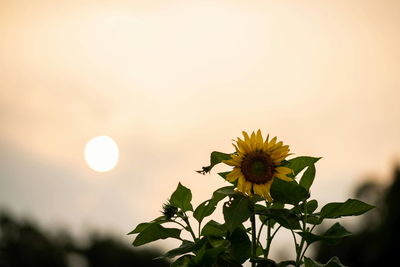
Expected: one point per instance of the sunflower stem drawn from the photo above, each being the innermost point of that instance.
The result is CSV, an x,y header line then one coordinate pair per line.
x,y
299,251
253,238
269,239
189,228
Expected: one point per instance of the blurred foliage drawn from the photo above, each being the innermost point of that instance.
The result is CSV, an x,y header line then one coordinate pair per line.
x,y
22,243
377,243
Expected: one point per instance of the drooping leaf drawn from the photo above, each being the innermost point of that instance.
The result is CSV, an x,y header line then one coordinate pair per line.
x,y
215,158
236,211
213,228
185,247
333,262
351,207
331,236
287,218
208,207
288,192
308,177
181,198
240,247
140,227
154,232
298,164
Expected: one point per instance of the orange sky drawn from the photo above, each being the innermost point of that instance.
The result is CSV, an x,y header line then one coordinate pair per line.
x,y
172,81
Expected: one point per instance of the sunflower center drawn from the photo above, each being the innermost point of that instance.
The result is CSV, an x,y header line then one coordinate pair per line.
x,y
257,168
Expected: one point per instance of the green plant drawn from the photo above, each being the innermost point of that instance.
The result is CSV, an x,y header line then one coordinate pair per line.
x,y
282,204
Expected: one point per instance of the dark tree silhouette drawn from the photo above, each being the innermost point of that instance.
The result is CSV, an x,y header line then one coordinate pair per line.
x,y
22,243
377,244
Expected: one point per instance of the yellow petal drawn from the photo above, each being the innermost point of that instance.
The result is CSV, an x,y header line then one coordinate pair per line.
x,y
243,146
246,136
231,162
240,183
273,141
266,144
259,139
233,175
258,190
251,142
283,177
278,160
284,170
253,137
266,188
276,146
236,148
237,158
247,187
281,149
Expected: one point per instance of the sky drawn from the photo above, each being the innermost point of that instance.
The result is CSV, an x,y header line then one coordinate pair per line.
x,y
171,81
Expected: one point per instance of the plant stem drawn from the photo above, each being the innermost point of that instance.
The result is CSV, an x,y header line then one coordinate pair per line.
x,y
259,232
269,239
199,229
186,219
299,252
253,238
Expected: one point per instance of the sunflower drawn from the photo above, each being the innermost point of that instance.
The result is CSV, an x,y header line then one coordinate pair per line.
x,y
256,163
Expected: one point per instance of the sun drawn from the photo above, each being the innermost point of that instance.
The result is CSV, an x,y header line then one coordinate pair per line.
x,y
101,153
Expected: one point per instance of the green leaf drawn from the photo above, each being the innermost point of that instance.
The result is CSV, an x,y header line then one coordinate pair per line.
x,y
286,218
208,207
140,227
311,205
308,177
236,211
259,251
227,191
207,256
314,219
298,164
215,158
185,247
184,261
351,207
288,192
335,232
181,198
213,228
240,248
331,236
333,262
223,174
154,232
226,260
